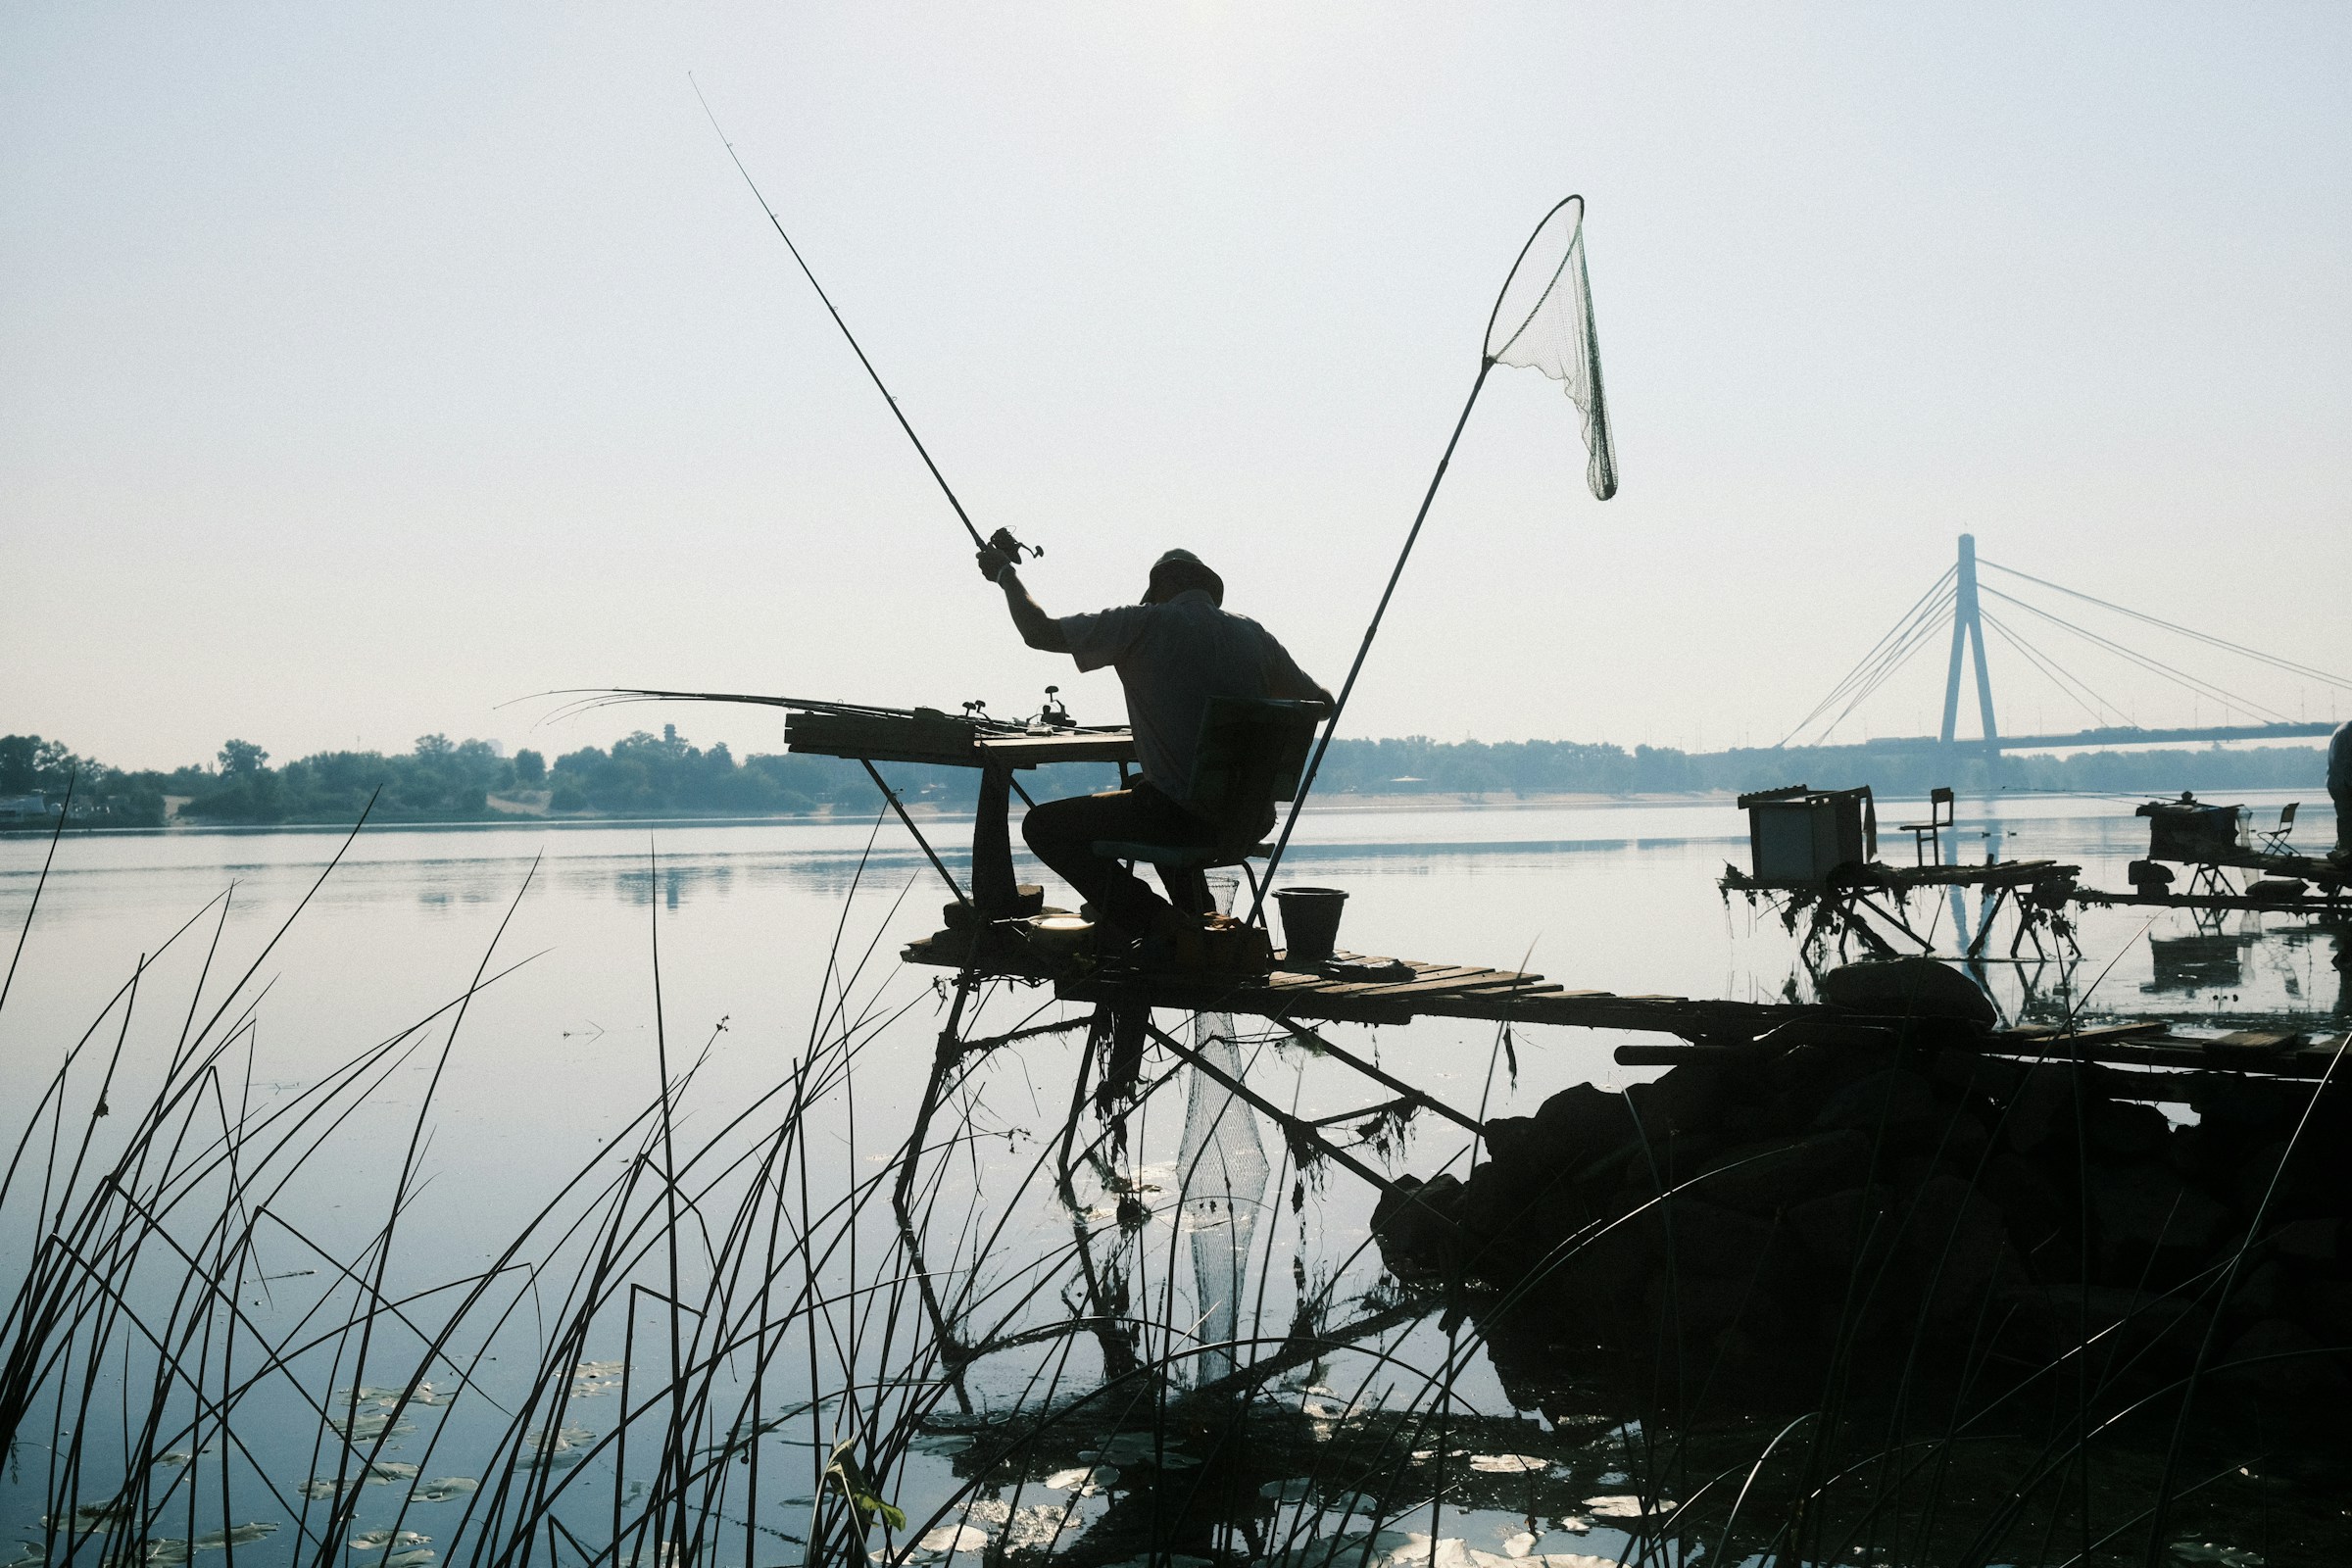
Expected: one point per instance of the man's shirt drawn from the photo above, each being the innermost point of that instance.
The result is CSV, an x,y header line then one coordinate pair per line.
x,y
1172,657
2340,760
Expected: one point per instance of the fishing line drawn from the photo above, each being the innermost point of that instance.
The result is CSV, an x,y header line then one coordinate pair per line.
x,y
1003,539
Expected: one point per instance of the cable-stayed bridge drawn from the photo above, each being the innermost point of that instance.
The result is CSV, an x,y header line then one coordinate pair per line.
x,y
1957,603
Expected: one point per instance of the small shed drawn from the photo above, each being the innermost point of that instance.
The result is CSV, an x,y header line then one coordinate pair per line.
x,y
1799,835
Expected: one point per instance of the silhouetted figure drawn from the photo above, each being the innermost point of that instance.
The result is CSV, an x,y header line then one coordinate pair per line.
x,y
2340,788
1173,653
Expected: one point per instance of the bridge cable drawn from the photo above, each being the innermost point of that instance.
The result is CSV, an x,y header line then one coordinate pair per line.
x,y
1904,627
1925,632
2221,695
1901,631
2186,631
2102,713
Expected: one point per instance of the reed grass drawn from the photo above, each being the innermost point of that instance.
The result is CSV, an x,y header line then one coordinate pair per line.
x,y
730,1336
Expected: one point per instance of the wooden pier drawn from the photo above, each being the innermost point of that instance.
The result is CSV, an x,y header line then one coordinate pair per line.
x,y
1711,1030
1421,989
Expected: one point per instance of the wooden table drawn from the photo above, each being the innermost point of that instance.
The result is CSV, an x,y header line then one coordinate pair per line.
x,y
948,739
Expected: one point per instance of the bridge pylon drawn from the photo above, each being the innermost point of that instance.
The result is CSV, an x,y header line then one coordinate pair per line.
x,y
1968,631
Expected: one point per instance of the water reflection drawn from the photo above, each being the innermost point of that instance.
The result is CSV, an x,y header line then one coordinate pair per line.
x,y
1159,1241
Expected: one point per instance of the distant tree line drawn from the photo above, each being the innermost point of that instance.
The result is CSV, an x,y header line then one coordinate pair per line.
x,y
665,775
1419,764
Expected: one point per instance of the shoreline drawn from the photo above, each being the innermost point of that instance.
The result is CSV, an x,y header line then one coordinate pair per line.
x,y
1434,801
1324,805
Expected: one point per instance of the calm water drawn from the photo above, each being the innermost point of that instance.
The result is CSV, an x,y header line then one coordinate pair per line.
x,y
560,1053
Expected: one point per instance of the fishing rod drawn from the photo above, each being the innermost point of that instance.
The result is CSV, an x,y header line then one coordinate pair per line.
x,y
1002,541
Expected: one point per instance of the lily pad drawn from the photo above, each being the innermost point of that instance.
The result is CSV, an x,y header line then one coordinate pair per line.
x,y
1039,1526
443,1488
244,1534
953,1539
1625,1507
556,1449
1086,1480
89,1518
1140,1448
378,1539
592,1380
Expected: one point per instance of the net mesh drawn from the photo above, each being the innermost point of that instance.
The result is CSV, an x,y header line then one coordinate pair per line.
x,y
1544,321
1224,1171
1223,1168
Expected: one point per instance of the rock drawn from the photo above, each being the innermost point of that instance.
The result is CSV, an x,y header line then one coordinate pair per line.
x,y
1894,1099
1961,1143
2259,1291
1686,1099
1515,1143
1971,1072
2127,1129
2041,1112
2233,1100
2035,1212
1415,1221
2310,1241
2267,1173
1763,1178
1907,988
2139,1209
2282,1367
2329,1302
1956,1245
1835,1228
1578,1127
1685,1232
1705,1303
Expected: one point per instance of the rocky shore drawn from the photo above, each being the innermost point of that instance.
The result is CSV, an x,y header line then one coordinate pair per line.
x,y
1888,1196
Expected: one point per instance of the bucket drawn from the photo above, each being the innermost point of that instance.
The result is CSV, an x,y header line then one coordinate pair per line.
x,y
1310,922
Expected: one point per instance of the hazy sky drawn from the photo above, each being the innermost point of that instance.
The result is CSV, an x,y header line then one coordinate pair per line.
x,y
363,368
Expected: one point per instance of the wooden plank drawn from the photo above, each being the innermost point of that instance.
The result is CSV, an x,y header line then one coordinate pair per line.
x,y
2254,1043
1517,989
2042,1035
1443,980
1039,751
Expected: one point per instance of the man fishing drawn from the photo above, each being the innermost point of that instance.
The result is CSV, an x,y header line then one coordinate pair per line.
x,y
2339,789
1173,651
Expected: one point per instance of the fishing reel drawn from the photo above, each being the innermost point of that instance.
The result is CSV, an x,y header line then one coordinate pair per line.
x,y
1005,544
1054,714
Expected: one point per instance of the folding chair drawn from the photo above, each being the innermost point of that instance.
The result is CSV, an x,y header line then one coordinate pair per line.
x,y
2273,840
1939,817
1252,752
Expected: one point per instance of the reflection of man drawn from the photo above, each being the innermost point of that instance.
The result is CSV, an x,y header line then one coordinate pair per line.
x,y
2340,788
1173,651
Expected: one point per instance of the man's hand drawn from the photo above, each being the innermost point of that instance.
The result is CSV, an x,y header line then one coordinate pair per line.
x,y
993,563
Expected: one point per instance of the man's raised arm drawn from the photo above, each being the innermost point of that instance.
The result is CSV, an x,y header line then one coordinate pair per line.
x,y
1037,628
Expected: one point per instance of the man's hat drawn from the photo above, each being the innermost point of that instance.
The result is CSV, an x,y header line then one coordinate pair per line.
x,y
1183,566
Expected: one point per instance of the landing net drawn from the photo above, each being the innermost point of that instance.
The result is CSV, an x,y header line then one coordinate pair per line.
x,y
1544,321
